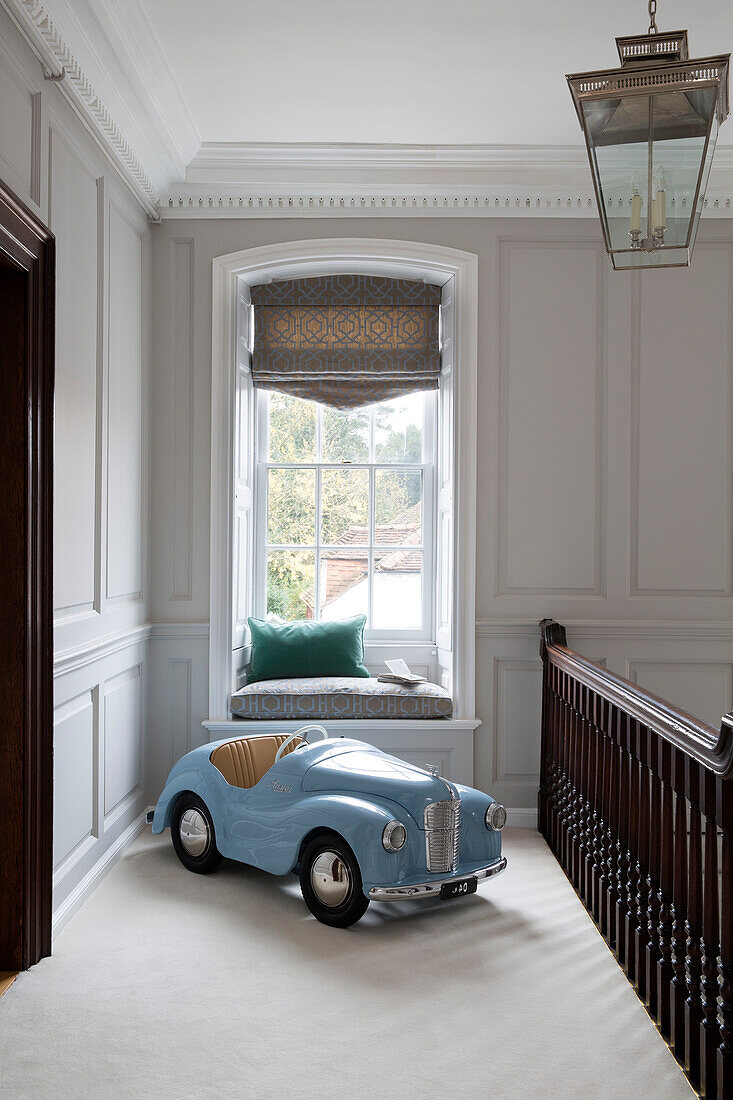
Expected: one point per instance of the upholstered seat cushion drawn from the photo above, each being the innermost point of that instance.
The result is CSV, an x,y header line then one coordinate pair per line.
x,y
326,697
245,760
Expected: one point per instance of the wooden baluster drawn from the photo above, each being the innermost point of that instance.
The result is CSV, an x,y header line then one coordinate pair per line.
x,y
588,807
567,772
679,928
693,971
622,840
577,799
652,948
641,935
563,804
725,968
710,946
605,810
613,828
666,880
572,793
632,854
569,750
598,743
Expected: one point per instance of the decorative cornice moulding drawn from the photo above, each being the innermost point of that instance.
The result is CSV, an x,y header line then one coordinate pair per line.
x,y
34,20
317,180
118,82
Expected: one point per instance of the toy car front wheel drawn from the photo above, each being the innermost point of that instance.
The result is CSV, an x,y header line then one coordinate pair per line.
x,y
193,835
330,880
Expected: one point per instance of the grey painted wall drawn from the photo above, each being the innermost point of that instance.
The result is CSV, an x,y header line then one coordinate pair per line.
x,y
604,465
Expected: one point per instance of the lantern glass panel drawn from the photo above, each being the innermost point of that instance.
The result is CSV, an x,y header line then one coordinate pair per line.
x,y
660,148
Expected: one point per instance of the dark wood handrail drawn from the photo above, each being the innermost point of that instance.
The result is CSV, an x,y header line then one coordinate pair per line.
x,y
711,748
636,802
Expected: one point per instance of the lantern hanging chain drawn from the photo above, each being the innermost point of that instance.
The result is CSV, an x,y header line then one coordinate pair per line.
x,y
652,17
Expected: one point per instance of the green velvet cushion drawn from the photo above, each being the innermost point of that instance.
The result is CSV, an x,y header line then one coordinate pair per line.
x,y
300,649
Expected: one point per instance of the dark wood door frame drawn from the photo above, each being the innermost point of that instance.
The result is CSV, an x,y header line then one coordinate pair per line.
x,y
27,305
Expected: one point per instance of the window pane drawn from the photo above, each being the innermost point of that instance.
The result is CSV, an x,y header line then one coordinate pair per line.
x,y
291,506
397,590
345,435
292,429
398,429
291,578
398,507
345,506
344,584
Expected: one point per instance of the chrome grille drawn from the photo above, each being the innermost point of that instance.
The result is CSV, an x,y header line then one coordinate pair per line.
x,y
443,835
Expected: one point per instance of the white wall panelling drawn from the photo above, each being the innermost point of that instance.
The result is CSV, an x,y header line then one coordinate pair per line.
x,y
178,696
76,755
682,443
76,213
20,126
603,461
125,446
123,742
552,344
101,439
182,410
555,462
99,738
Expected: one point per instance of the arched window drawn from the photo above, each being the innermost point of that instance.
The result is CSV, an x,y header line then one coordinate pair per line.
x,y
384,485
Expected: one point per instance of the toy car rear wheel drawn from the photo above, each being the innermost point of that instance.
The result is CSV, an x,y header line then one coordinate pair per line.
x,y
330,880
193,835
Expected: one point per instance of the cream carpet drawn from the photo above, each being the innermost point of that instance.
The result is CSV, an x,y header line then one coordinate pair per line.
x,y
168,984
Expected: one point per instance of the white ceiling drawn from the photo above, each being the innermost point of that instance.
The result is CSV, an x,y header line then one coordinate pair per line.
x,y
407,71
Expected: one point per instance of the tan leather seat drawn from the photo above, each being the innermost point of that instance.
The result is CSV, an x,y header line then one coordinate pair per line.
x,y
243,762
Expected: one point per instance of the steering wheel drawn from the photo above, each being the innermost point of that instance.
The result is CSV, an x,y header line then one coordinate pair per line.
x,y
302,734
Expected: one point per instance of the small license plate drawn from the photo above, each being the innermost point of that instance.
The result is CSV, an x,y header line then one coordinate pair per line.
x,y
459,889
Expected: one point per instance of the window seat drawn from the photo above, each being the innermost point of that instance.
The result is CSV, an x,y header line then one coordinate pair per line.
x,y
335,697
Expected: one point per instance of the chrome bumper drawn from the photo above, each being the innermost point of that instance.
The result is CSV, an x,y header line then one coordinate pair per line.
x,y
430,889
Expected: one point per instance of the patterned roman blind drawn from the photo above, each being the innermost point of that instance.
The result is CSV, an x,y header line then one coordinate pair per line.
x,y
346,340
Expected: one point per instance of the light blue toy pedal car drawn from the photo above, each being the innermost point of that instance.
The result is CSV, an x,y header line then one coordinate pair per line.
x,y
355,823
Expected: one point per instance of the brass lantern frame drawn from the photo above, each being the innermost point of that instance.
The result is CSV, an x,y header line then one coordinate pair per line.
x,y
652,63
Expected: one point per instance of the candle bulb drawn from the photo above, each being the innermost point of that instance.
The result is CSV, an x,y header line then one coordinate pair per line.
x,y
660,210
659,206
635,224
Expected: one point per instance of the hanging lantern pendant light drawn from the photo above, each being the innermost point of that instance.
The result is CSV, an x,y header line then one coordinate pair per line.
x,y
650,128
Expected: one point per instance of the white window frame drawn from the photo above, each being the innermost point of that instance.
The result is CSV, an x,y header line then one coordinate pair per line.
x,y
232,276
427,468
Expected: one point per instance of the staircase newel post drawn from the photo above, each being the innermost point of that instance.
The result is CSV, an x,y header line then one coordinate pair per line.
x,y
542,793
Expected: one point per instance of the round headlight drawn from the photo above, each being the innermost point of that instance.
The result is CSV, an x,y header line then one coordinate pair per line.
x,y
495,816
394,836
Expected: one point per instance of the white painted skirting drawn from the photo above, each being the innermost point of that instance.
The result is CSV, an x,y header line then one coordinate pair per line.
x,y
521,818
92,878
